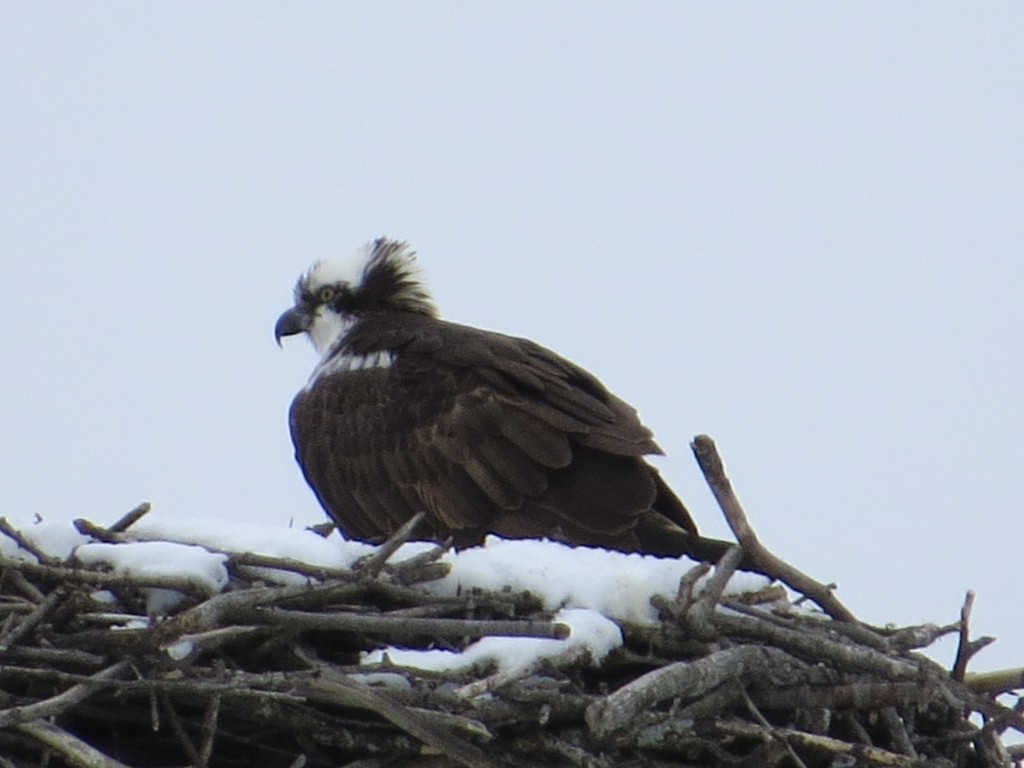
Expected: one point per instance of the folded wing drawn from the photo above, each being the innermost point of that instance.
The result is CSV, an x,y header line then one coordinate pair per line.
x,y
484,433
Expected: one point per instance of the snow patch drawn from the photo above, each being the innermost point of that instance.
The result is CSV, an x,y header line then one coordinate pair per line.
x,y
160,560
586,588
617,584
589,631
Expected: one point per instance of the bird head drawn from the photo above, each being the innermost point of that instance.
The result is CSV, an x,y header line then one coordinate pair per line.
x,y
333,295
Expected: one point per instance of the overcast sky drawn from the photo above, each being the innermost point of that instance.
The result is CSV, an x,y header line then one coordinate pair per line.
x,y
795,227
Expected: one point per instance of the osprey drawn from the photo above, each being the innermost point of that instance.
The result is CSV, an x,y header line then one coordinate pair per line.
x,y
483,432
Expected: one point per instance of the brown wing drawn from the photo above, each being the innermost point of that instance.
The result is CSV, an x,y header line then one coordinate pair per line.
x,y
483,432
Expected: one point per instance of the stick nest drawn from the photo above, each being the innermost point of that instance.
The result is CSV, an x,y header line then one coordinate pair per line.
x,y
263,675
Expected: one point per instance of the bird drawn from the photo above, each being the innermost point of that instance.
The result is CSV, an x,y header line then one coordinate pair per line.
x,y
482,432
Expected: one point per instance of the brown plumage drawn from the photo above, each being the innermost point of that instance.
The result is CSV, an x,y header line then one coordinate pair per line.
x,y
484,432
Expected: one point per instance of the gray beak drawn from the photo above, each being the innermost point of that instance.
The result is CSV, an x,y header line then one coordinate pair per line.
x,y
294,320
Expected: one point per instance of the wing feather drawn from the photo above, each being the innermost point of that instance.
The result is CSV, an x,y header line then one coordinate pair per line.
x,y
539,440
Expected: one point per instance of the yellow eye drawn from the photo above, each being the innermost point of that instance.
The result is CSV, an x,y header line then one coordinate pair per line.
x,y
326,294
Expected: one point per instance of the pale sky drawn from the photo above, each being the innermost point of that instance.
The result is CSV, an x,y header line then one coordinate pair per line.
x,y
795,227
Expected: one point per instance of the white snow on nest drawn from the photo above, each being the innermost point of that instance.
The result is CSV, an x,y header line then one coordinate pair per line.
x,y
205,571
276,541
271,540
589,589
589,631
160,560
617,584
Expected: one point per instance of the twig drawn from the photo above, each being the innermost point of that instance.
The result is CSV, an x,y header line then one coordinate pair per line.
x,y
96,532
571,754
996,712
215,612
684,594
1016,752
691,680
63,574
898,732
700,611
31,621
209,728
996,681
866,695
565,658
967,648
426,566
857,729
818,646
203,681
761,559
318,572
13,533
866,756
373,563
124,523
919,636
962,656
179,731
75,751
466,725
112,534
335,688
423,558
26,587
752,708
421,573
724,698
62,701
401,627
54,657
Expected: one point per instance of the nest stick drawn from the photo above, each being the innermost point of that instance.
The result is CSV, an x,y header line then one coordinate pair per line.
x,y
23,542
403,627
372,564
340,690
76,752
62,701
762,559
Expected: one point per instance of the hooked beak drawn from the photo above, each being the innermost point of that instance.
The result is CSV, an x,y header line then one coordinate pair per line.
x,y
294,320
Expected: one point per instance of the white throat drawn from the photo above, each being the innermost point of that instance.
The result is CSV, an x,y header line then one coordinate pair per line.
x,y
327,329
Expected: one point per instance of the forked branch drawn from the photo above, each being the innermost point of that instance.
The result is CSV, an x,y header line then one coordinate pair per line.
x,y
759,557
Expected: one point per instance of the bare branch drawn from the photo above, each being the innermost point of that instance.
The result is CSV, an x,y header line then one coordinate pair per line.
x,y
124,523
338,689
761,559
692,680
23,542
401,627
996,681
63,701
372,564
76,752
